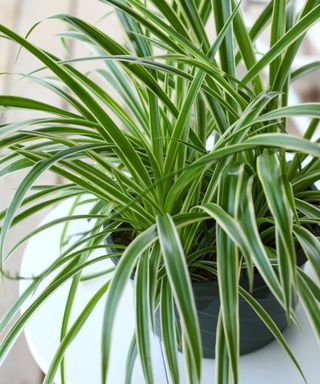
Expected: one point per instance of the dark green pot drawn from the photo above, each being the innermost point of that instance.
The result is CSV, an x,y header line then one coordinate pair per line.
x,y
253,332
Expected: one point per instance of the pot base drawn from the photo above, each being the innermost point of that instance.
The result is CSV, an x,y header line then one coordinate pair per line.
x,y
254,334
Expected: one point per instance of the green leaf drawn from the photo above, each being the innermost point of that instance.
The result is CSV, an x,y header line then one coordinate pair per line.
x,y
269,172
17,327
305,70
192,18
107,128
108,44
196,168
179,278
251,246
157,26
24,103
221,353
171,16
168,331
311,304
246,47
264,316
143,320
228,265
314,287
23,188
309,210
291,36
131,359
261,22
118,283
291,143
284,69
310,245
297,159
181,129
278,27
72,333
222,11
304,109
72,291
12,311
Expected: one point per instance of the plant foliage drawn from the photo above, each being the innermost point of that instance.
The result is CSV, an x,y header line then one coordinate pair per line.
x,y
136,140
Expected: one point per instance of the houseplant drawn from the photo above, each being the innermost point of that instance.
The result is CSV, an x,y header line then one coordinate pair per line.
x,y
235,210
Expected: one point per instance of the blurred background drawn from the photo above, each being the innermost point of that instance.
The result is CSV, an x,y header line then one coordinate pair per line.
x,y
20,15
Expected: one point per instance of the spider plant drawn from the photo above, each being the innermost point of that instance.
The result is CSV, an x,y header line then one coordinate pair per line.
x,y
196,132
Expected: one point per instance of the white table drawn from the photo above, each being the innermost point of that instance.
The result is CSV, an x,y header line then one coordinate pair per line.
x,y
268,365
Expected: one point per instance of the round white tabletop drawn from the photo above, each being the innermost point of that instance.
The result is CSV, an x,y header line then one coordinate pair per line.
x,y
268,365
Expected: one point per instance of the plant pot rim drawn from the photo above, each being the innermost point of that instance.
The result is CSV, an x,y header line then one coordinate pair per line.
x,y
258,285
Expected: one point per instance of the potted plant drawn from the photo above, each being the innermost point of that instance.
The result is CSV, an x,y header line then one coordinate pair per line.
x,y
222,228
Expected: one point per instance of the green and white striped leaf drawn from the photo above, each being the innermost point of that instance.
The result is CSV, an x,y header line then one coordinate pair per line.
x,y
269,172
179,278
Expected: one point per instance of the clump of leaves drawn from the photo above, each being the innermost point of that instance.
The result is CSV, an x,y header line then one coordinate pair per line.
x,y
144,157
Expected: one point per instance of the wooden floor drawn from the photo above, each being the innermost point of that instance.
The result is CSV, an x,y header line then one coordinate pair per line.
x,y
20,15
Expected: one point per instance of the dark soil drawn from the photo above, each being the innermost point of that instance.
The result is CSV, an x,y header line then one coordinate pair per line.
x,y
124,237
